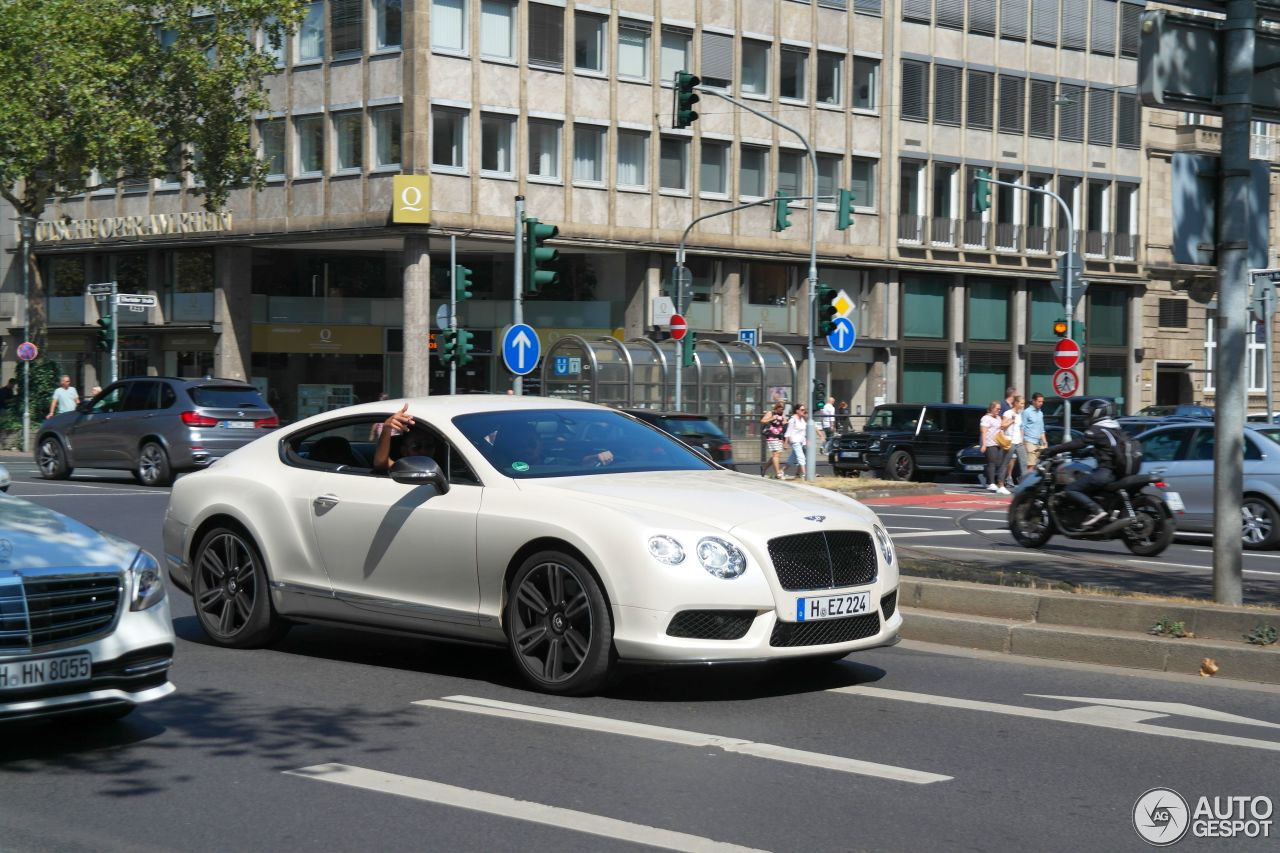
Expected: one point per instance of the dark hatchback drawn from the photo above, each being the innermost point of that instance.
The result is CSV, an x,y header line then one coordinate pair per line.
x,y
697,431
902,441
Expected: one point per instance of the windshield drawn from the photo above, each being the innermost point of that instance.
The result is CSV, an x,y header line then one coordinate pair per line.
x,y
573,442
1272,433
690,426
1158,411
227,397
896,418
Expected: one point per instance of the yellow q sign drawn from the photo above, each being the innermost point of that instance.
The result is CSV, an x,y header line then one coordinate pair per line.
x,y
412,199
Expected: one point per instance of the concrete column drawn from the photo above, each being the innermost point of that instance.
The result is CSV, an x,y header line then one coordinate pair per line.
x,y
232,308
417,316
1133,396
955,342
1020,337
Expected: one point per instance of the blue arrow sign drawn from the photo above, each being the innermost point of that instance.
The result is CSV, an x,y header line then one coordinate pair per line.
x,y
521,348
843,335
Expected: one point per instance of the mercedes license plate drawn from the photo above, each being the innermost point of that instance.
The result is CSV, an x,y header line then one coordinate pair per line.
x,y
42,671
1174,501
238,424
851,456
832,606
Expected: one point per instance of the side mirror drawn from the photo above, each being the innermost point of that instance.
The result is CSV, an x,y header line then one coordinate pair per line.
x,y
419,471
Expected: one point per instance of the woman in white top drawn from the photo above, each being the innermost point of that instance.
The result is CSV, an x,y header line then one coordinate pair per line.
x,y
1015,458
987,429
795,439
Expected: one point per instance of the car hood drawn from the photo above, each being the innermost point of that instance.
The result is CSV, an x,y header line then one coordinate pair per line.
x,y
880,434
35,537
721,500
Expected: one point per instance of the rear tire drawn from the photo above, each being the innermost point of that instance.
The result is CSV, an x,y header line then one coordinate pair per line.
x,y
1029,520
153,466
901,466
1260,523
1156,530
51,459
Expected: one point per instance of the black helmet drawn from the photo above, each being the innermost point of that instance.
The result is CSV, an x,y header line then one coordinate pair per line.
x,y
1095,410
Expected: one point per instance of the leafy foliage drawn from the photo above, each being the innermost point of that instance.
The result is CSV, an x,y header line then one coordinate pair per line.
x,y
1170,628
1262,635
44,378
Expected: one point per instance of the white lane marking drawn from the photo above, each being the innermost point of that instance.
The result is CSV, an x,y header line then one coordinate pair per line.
x,y
1118,719
931,533
97,494
533,714
508,807
1250,554
61,484
1179,709
1202,568
906,515
891,528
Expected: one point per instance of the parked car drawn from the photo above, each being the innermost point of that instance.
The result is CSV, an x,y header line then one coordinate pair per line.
x,y
5,479
571,533
697,431
1182,455
1199,413
84,621
154,426
972,460
902,441
1136,425
1055,407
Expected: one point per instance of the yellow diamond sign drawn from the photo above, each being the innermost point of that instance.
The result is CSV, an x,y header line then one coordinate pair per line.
x,y
843,304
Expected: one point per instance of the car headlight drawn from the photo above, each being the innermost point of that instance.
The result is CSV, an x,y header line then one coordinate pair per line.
x,y
147,580
664,549
875,445
720,558
885,543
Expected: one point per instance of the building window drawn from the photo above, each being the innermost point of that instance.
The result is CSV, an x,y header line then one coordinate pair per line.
x,y
1013,19
1128,120
946,95
791,67
831,79
389,23
713,176
978,101
1130,24
348,130
717,60
448,138
1044,22
546,35
982,17
544,149
273,146
755,68
1012,107
271,49
346,26
633,51
498,29
589,41
1101,115
1173,313
829,177
310,132
950,14
633,158
920,11
915,89
753,172
386,136
311,33
1126,230
988,311
673,163
862,182
674,55
924,307
1075,16
791,173
1255,357
449,25
497,134
1108,317
1071,113
588,153
1103,38
1041,108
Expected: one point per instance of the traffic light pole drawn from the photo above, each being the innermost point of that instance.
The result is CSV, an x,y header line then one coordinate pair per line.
x,y
517,304
26,226
113,311
453,307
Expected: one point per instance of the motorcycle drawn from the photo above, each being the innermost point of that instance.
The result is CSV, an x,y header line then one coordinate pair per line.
x,y
1136,509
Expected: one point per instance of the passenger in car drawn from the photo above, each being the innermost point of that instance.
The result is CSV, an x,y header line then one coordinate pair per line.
x,y
401,437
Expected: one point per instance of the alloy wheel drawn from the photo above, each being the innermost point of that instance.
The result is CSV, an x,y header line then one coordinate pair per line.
x,y
552,622
228,585
50,458
1258,522
150,464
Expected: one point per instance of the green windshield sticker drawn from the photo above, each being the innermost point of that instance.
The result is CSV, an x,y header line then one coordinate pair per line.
x,y
520,466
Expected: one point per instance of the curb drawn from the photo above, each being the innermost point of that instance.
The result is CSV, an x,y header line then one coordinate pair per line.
x,y
1098,630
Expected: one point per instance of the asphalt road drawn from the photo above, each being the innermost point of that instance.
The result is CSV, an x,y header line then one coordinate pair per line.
x,y
342,740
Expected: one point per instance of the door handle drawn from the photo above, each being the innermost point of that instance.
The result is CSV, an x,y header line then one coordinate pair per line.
x,y
1158,470
325,501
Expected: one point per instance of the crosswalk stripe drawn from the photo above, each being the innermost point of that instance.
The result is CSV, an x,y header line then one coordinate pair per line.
x,y
508,807
532,714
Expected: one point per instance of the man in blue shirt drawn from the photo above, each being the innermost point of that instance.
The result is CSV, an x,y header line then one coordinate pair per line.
x,y
1033,438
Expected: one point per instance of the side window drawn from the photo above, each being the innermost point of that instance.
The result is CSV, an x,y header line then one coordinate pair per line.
x,y
138,396
1201,449
1162,446
345,447
110,400
167,397
455,468
1252,452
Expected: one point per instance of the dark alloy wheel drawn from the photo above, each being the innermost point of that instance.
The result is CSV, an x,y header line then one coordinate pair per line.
x,y
1261,526
1152,530
51,458
558,625
229,588
1029,520
901,466
153,466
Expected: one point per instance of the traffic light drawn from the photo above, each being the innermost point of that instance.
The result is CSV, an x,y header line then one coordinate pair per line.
x,y
981,191
538,257
1060,328
781,211
682,113
106,333
465,346
687,343
825,300
819,396
461,282
844,215
448,343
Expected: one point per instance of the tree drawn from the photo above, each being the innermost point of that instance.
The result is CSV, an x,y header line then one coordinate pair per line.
x,y
96,93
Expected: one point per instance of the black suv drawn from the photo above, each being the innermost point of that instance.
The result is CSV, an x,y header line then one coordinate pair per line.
x,y
903,440
697,431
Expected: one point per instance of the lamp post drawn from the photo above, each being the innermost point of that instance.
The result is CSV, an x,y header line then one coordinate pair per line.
x,y
26,228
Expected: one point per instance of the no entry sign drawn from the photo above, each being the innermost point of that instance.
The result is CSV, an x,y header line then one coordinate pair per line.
x,y
678,327
1066,354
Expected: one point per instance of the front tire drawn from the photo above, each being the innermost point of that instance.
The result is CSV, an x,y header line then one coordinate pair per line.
x,y
51,459
1029,520
901,466
1261,524
558,624
229,589
1154,529
153,466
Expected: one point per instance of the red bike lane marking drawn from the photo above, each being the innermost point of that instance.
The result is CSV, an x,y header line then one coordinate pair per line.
x,y
943,500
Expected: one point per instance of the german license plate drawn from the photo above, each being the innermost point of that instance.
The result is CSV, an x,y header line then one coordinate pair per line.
x,y
832,606
973,467
1174,502
238,424
37,673
853,457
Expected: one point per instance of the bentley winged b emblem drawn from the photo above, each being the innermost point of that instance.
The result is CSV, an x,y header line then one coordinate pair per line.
x,y
817,518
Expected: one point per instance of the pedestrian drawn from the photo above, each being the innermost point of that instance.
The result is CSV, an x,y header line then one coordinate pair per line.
x,y
1007,403
1033,437
1015,457
829,423
842,414
795,437
988,427
8,393
774,424
65,398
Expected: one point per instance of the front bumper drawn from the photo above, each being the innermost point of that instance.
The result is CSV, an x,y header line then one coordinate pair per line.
x,y
865,461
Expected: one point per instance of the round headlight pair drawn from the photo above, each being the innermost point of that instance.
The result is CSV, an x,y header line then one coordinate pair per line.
x,y
719,557
885,543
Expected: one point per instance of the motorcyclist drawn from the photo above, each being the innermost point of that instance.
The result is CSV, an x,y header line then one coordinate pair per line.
x,y
1100,436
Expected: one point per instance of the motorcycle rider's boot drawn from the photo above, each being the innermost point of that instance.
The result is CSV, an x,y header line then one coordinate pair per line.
x,y
1098,516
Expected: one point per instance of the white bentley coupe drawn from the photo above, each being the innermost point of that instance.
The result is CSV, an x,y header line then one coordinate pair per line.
x,y
576,535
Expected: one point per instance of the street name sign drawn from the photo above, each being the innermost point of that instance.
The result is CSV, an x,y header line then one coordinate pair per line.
x,y
141,300
100,288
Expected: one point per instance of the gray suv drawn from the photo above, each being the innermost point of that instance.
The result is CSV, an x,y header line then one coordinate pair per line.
x,y
154,426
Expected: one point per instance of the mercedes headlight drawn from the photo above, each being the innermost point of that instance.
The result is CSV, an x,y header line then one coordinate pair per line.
x,y
147,581
875,445
885,543
664,549
720,558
